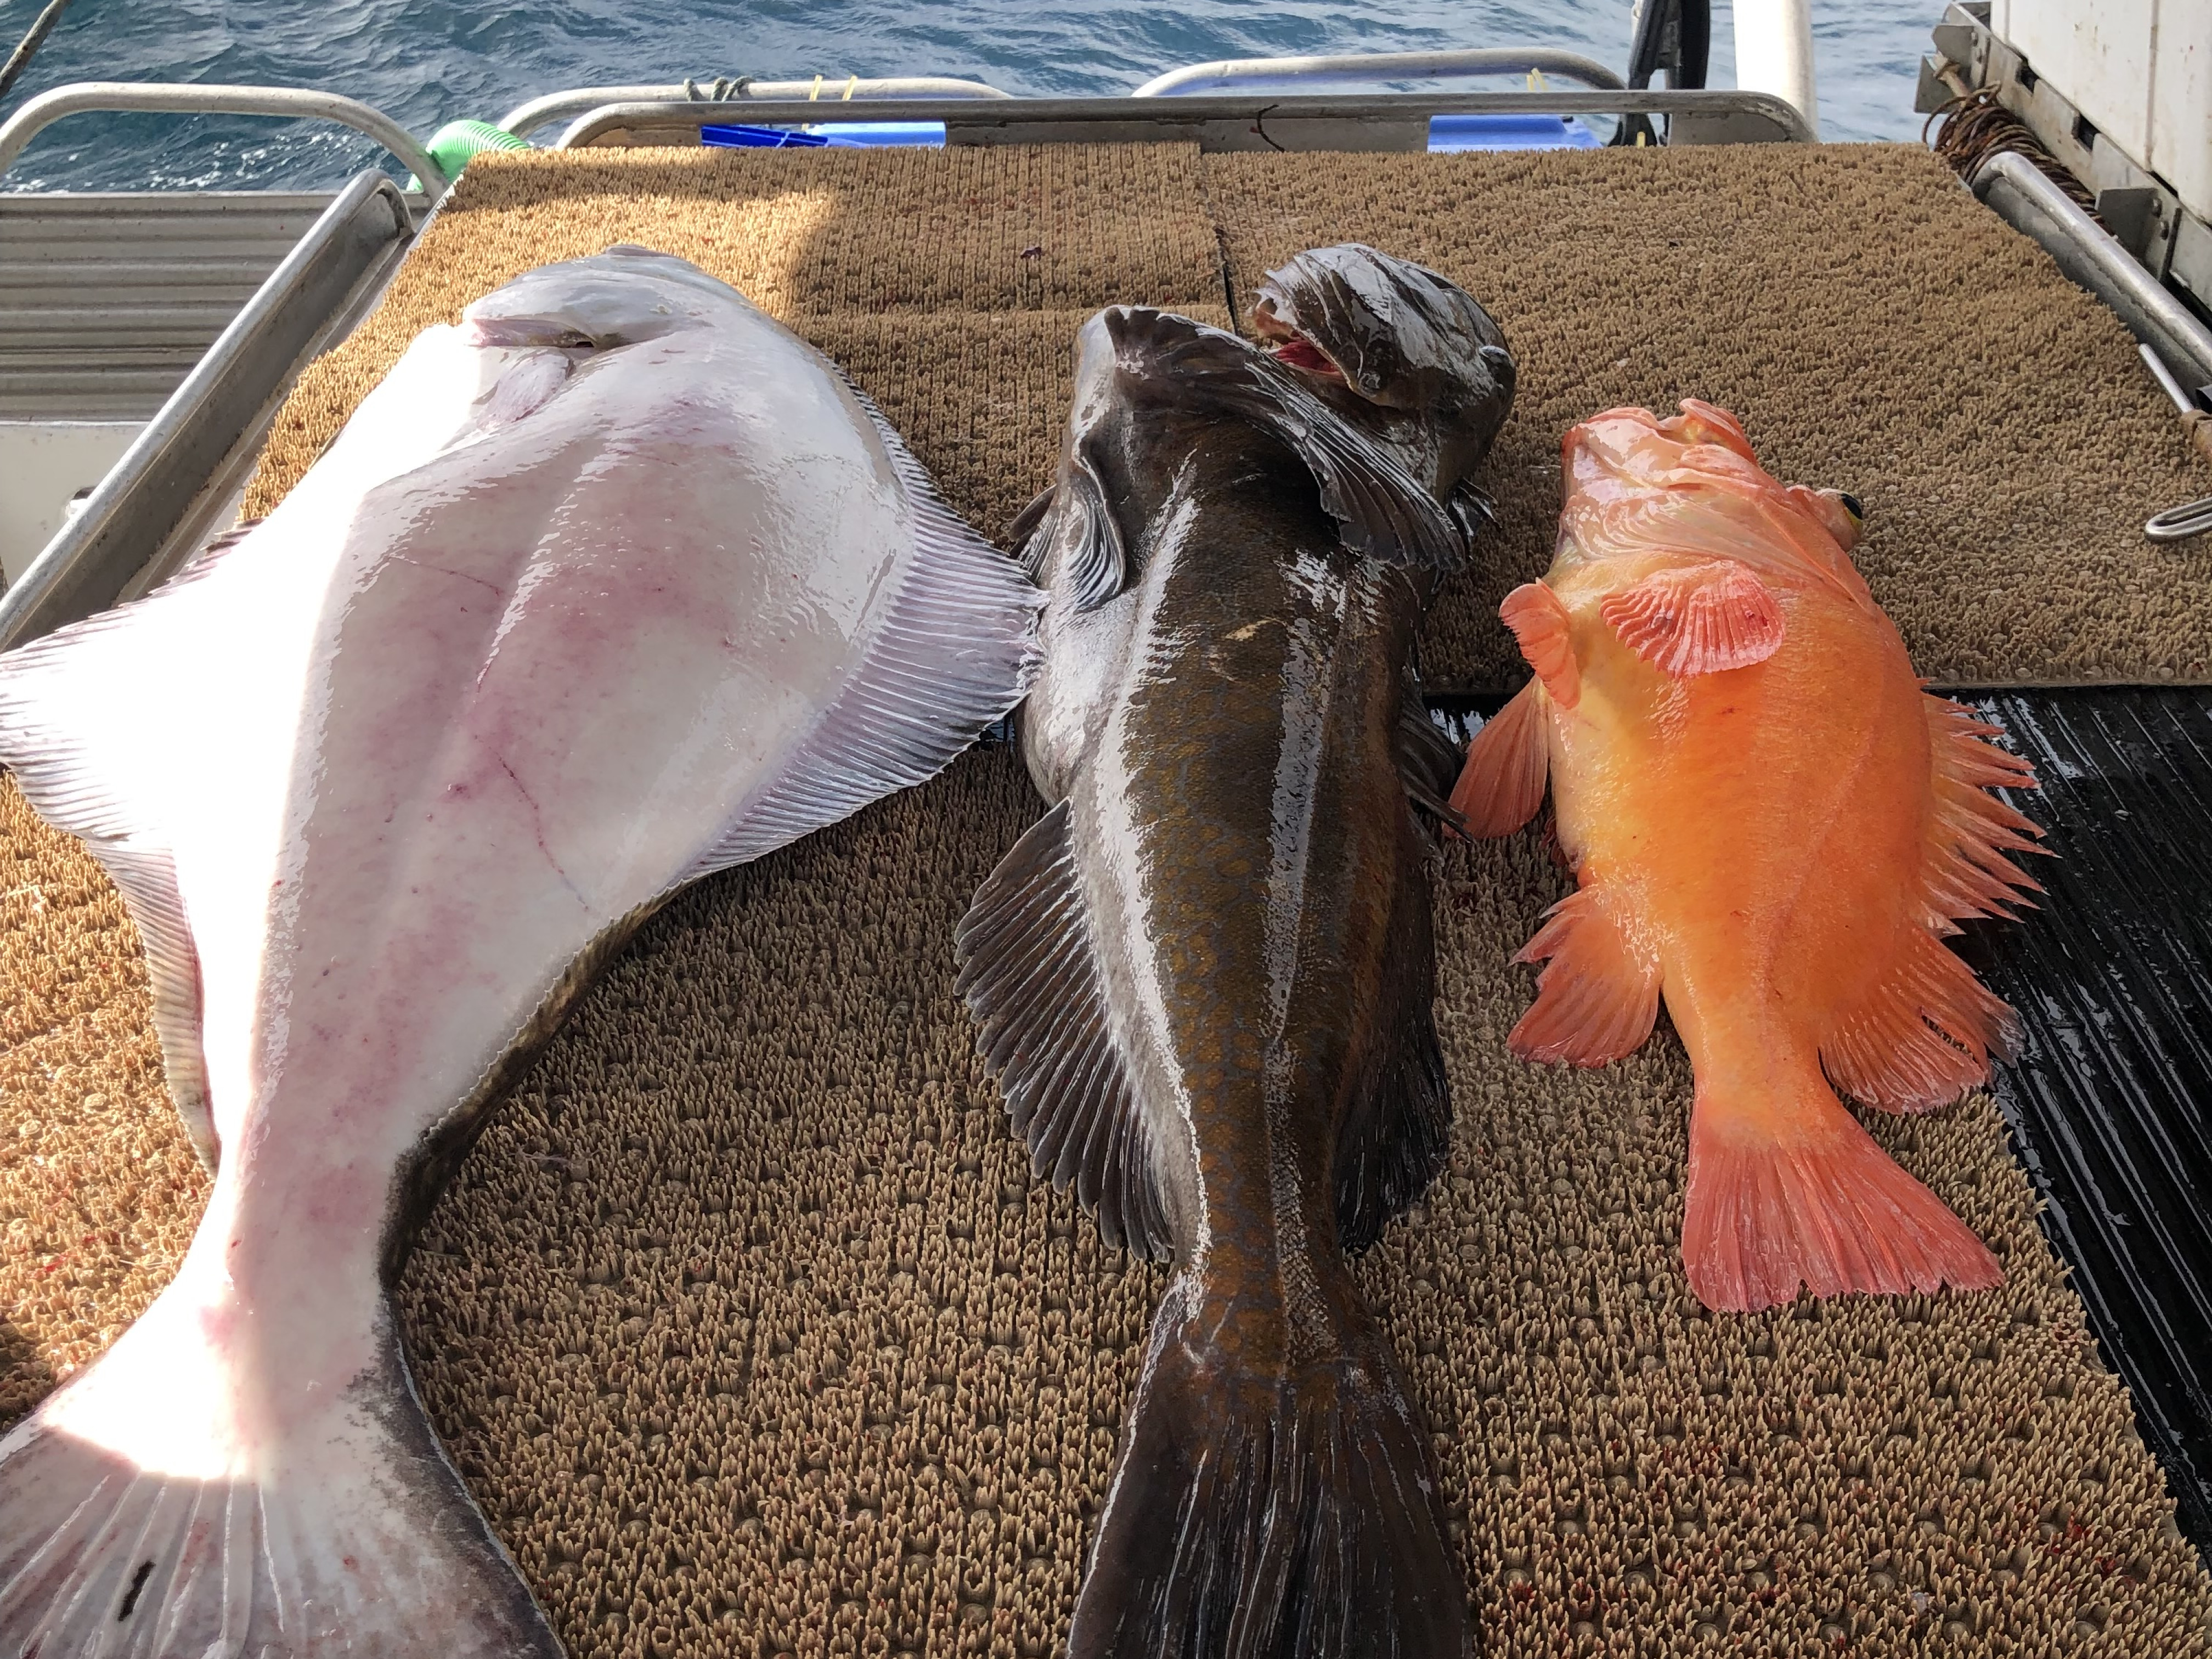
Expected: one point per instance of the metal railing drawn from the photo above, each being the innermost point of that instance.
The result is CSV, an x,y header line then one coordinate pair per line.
x,y
524,118
1237,74
1369,122
131,523
142,96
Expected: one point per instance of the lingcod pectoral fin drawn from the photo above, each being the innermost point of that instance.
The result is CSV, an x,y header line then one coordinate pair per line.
x,y
1381,510
1029,969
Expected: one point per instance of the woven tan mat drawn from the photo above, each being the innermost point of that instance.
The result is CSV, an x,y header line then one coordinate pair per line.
x,y
745,1321
1878,330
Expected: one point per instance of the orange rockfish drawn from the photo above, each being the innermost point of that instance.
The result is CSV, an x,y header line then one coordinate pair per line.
x,y
1772,823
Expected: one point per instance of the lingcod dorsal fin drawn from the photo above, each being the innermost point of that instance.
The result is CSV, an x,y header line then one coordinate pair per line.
x,y
1029,969
1397,1135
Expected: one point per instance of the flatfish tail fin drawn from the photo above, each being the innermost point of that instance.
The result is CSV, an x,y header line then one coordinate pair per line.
x,y
350,1535
1266,1514
956,652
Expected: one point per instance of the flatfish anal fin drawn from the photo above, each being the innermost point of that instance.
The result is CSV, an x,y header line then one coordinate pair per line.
x,y
1383,510
1697,619
359,1538
1599,993
1924,1036
1397,1135
1029,970
955,652
60,699
1508,764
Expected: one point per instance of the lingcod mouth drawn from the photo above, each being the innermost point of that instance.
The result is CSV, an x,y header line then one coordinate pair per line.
x,y
1291,348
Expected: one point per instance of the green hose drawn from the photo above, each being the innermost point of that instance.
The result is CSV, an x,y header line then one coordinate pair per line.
x,y
453,144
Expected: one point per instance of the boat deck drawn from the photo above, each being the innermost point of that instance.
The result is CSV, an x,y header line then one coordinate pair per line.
x,y
746,1321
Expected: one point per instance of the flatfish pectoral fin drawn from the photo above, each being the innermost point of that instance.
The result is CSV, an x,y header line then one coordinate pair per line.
x,y
1029,973
1383,510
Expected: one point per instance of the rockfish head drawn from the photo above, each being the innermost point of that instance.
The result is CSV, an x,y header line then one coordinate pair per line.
x,y
1637,486
620,297
1393,345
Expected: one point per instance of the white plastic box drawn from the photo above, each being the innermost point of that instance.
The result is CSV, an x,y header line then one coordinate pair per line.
x,y
2140,70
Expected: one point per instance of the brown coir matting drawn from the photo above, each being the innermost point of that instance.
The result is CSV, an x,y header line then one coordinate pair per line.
x,y
745,1320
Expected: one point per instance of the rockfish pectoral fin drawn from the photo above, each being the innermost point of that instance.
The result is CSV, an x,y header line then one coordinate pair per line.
x,y
1383,511
1697,619
1598,996
1501,784
1793,1191
1264,1512
345,1532
1029,970
1544,631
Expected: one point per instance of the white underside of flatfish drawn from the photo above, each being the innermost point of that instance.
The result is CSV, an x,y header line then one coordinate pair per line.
x,y
614,584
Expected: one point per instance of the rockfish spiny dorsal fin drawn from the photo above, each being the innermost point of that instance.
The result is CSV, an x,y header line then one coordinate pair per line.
x,y
1029,970
1925,1035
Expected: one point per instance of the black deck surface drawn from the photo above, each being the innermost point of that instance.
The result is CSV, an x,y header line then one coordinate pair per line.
x,y
2110,1099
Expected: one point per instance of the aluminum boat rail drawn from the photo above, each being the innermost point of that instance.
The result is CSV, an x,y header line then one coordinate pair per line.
x,y
1336,121
525,119
1234,74
115,97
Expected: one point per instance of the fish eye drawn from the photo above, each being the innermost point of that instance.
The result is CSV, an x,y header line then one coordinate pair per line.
x,y
1851,505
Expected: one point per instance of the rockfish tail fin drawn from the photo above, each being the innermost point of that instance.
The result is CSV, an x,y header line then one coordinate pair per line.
x,y
1790,1192
1284,1512
134,1532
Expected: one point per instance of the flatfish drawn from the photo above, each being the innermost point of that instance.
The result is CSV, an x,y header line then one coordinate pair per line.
x,y
1204,975
614,585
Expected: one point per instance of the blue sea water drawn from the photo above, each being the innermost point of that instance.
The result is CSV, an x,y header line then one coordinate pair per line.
x,y
426,62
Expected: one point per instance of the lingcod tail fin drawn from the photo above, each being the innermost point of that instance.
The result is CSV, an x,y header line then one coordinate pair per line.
x,y
1270,1514
1798,1193
132,1532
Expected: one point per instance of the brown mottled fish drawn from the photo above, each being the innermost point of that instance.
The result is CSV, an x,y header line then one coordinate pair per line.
x,y
1205,976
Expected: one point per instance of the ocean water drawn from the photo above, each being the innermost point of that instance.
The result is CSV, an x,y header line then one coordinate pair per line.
x,y
426,62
